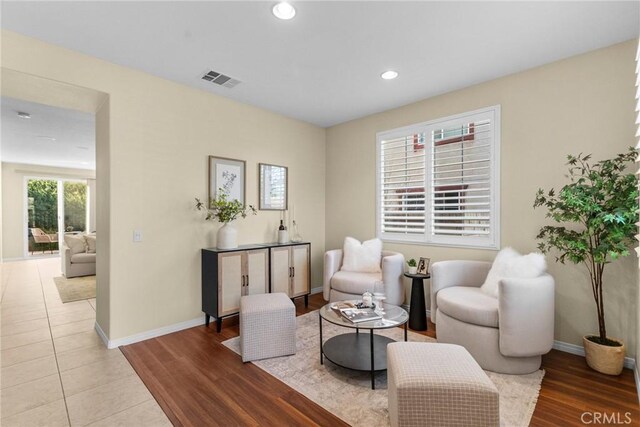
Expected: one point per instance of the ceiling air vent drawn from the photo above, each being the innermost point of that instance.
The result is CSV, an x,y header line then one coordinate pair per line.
x,y
220,79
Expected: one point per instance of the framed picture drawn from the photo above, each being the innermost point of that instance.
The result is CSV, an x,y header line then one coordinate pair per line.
x,y
423,265
274,187
227,175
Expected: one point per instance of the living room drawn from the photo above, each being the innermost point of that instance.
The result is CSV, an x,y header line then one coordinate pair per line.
x,y
572,92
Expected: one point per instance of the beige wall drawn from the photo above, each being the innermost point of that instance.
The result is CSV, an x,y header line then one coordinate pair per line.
x,y
582,104
13,186
159,136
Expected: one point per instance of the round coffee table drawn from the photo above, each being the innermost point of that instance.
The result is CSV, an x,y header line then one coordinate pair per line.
x,y
355,350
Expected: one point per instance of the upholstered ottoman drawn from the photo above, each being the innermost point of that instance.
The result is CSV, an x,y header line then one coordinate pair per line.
x,y
267,326
434,384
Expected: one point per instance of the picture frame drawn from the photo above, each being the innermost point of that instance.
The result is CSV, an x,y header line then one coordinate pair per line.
x,y
273,184
228,174
423,265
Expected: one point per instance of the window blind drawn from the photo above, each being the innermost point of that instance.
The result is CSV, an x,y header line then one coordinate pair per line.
x,y
402,195
438,181
461,180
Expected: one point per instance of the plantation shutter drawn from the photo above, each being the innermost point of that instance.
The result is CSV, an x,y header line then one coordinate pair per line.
x,y
462,180
438,182
401,174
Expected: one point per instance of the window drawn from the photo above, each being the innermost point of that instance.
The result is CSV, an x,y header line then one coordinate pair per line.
x,y
438,182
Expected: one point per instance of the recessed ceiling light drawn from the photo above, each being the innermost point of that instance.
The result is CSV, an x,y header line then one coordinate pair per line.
x,y
389,75
284,10
24,115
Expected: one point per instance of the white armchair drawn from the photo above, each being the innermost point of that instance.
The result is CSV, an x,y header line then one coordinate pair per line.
x,y
342,285
507,334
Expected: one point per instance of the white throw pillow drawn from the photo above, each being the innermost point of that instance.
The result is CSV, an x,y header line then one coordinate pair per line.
x,y
76,243
91,243
361,257
510,264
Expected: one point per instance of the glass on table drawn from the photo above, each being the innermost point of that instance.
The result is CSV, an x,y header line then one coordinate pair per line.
x,y
379,295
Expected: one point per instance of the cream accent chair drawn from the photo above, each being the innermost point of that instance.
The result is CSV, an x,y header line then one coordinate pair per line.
x,y
344,285
507,334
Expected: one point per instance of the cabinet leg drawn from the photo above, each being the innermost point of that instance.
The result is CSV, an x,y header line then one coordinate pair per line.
x,y
219,324
306,300
206,319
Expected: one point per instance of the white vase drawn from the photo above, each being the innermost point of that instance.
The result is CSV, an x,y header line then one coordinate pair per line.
x,y
227,236
413,270
283,236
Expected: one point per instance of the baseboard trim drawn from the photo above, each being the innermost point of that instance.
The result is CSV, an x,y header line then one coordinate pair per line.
x,y
317,290
149,334
102,335
27,258
629,362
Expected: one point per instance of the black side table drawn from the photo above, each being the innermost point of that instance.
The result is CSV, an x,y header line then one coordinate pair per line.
x,y
417,309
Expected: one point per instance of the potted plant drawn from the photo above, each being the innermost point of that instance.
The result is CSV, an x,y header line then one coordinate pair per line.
x,y
596,213
225,211
413,266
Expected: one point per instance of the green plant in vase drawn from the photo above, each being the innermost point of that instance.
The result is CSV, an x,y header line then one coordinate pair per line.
x,y
225,211
596,213
413,266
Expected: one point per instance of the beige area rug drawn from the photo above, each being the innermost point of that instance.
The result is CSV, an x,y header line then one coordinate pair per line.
x,y
348,395
76,288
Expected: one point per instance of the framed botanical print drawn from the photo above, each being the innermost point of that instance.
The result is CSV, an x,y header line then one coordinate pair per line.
x,y
228,176
274,183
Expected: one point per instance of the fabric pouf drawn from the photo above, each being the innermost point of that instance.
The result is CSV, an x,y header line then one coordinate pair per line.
x,y
434,384
267,326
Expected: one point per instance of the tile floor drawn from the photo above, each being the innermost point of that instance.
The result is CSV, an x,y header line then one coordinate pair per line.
x,y
55,370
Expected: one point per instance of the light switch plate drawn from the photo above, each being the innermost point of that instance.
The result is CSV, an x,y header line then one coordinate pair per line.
x,y
137,235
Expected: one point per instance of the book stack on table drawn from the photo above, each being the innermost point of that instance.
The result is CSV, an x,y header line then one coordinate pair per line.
x,y
353,314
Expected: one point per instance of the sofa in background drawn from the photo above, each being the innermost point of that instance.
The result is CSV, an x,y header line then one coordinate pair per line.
x,y
78,255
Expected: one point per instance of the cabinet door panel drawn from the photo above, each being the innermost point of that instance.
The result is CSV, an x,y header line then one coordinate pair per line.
x,y
256,271
280,280
229,282
300,263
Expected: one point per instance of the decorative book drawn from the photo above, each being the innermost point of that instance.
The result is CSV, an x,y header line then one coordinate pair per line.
x,y
357,315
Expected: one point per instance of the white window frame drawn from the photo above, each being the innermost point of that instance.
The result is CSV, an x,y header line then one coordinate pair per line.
x,y
490,242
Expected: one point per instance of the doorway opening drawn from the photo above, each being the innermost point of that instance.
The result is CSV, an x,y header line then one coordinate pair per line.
x,y
59,135
56,207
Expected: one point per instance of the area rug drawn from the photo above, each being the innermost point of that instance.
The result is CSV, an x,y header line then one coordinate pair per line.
x,y
76,288
348,395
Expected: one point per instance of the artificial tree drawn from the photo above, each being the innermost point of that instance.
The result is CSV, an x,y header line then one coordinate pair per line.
x,y
597,213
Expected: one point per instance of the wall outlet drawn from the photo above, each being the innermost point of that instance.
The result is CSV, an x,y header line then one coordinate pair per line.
x,y
137,235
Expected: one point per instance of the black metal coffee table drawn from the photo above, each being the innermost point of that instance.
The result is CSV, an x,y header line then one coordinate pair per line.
x,y
361,352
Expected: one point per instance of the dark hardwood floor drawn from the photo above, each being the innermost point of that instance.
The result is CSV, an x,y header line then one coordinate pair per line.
x,y
199,382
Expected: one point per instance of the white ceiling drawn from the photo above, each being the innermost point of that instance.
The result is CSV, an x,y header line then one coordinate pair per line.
x,y
29,140
323,66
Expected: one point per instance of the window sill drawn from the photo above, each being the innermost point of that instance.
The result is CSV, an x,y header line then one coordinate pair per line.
x,y
441,245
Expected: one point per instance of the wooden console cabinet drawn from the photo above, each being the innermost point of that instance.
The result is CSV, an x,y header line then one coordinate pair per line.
x,y
227,274
290,270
